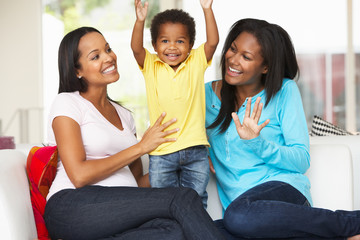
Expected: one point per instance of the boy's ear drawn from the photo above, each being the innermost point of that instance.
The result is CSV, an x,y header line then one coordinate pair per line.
x,y
154,45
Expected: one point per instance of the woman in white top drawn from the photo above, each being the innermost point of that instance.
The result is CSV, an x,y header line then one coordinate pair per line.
x,y
100,191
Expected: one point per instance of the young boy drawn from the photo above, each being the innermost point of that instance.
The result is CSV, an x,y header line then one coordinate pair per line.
x,y
174,79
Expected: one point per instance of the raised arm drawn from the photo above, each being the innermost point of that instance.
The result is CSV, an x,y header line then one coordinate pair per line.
x,y
212,34
137,45
81,172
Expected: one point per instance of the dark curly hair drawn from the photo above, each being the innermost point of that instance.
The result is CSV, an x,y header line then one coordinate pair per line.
x,y
173,16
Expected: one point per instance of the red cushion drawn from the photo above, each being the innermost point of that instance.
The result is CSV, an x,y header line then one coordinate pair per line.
x,y
41,168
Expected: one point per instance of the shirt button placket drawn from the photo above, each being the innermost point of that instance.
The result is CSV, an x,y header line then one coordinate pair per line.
x,y
227,145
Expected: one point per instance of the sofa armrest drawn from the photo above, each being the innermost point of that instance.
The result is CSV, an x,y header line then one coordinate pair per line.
x,y
353,142
331,176
16,218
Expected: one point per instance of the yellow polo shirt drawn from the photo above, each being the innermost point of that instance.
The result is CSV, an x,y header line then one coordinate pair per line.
x,y
181,95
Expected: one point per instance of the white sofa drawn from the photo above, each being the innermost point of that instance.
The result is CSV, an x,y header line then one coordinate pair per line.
x,y
353,142
331,174
16,216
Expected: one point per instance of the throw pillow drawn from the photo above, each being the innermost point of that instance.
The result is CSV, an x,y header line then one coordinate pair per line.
x,y
320,127
41,169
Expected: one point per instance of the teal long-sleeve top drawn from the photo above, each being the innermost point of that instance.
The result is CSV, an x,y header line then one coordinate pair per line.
x,y
279,153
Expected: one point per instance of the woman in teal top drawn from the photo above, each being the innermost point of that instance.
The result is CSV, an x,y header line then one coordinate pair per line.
x,y
260,144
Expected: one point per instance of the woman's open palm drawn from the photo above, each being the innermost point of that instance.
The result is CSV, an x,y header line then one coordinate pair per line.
x,y
250,129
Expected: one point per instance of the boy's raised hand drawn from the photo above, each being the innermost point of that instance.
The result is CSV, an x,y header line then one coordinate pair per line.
x,y
206,3
141,10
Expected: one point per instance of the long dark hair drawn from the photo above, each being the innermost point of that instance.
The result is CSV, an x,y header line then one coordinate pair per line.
x,y
68,61
279,56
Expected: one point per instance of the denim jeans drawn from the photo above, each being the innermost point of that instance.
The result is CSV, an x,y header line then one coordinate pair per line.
x,y
185,168
95,212
276,210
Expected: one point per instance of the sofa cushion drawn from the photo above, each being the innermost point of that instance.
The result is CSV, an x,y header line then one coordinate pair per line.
x,y
320,127
41,168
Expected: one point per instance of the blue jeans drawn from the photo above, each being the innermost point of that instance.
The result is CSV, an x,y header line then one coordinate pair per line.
x,y
276,210
185,168
95,212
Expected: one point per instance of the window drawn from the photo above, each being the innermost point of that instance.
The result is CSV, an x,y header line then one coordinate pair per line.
x,y
318,30
115,20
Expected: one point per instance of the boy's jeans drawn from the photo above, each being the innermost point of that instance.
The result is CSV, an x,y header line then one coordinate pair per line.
x,y
188,167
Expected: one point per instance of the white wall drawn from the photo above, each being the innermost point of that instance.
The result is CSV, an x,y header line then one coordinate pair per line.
x,y
20,68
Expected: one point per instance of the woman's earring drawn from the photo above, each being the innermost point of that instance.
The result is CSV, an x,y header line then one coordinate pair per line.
x,y
79,77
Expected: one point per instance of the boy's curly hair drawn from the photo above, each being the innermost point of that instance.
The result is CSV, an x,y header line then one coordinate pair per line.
x,y
173,16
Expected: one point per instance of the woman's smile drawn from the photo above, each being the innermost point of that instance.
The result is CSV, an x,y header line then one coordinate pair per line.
x,y
233,72
110,69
